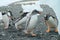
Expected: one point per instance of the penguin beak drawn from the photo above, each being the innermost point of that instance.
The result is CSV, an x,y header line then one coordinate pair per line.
x,y
40,12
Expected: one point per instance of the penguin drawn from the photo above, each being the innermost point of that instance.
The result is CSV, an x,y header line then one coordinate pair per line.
x,y
5,19
32,22
51,22
21,21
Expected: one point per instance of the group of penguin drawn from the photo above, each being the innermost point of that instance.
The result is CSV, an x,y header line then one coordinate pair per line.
x,y
30,19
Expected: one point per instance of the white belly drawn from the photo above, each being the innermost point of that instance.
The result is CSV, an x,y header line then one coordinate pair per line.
x,y
52,22
0,16
33,22
5,19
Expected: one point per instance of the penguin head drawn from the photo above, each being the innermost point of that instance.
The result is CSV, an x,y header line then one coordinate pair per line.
x,y
36,11
4,12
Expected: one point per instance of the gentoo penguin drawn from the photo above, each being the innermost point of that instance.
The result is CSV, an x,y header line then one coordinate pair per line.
x,y
5,19
32,22
51,22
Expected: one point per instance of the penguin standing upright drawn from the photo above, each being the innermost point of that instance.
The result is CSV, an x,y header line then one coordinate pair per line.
x,y
51,22
32,22
5,19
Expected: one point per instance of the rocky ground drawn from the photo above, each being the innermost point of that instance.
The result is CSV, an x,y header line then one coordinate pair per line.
x,y
13,34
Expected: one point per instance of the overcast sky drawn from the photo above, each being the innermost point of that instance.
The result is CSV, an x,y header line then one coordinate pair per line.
x,y
53,3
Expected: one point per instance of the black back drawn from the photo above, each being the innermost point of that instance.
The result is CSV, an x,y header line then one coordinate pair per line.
x,y
47,16
23,15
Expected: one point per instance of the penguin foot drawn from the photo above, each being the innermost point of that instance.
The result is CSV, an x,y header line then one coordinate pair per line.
x,y
30,33
34,35
47,31
5,27
56,30
26,32
19,28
